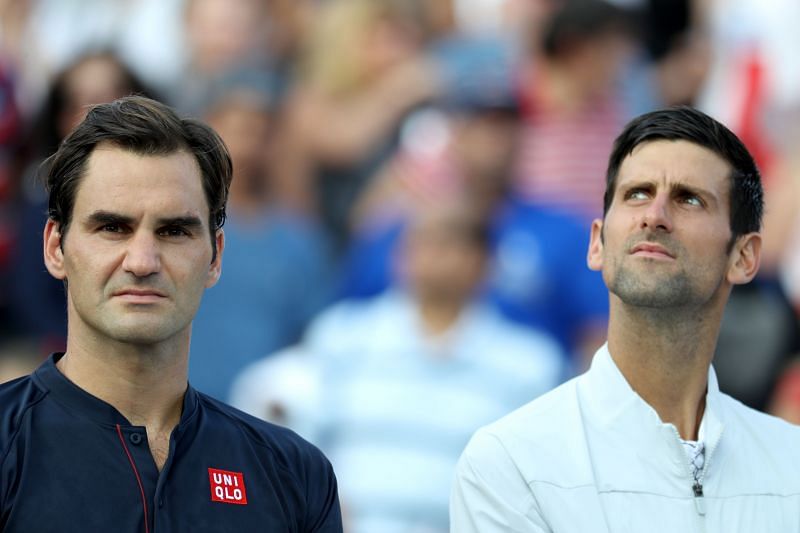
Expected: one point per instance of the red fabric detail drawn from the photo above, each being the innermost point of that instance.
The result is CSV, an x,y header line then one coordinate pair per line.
x,y
227,487
138,479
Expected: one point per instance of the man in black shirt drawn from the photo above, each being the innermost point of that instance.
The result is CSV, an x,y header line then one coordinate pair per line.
x,y
108,436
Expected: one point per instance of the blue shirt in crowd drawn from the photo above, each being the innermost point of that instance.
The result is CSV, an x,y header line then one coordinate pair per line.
x,y
274,279
538,275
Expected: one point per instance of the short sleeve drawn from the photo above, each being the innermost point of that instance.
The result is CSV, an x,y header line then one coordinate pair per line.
x,y
323,513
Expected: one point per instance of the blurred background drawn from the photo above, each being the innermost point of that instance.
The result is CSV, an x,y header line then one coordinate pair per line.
x,y
413,186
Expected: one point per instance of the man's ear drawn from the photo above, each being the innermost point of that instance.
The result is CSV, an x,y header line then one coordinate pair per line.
x,y
745,259
215,268
594,258
53,250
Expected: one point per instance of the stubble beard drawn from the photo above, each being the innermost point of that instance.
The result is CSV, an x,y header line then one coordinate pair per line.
x,y
655,291
645,283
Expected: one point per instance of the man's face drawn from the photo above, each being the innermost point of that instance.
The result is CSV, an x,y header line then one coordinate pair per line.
x,y
664,241
137,256
438,263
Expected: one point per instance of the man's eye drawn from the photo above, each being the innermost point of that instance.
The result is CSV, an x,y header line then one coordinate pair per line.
x,y
173,231
636,194
111,228
692,199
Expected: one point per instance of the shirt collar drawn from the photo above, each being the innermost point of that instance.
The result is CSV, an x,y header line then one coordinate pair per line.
x,y
84,404
612,396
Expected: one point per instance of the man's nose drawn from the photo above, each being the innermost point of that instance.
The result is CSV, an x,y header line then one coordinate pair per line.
x,y
142,257
657,214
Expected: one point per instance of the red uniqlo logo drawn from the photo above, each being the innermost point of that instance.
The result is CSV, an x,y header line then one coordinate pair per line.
x,y
227,487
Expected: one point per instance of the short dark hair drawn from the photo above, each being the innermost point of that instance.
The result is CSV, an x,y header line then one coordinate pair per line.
x,y
578,21
689,124
145,127
457,221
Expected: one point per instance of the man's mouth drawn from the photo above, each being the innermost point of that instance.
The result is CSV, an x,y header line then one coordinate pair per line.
x,y
651,250
140,296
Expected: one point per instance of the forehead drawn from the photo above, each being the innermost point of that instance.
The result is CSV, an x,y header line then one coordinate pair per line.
x,y
669,162
121,181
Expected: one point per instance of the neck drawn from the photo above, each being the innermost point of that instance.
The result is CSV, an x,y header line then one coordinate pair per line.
x,y
437,315
146,384
664,355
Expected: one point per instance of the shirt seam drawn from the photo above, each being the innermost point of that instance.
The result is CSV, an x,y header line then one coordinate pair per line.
x,y
259,443
15,434
652,493
534,503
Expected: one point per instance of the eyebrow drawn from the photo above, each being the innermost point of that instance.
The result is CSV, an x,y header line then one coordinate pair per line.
x,y
685,187
189,221
107,217
676,187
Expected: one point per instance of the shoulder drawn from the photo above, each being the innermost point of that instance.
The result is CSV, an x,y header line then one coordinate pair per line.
x,y
757,421
777,433
525,351
334,324
505,464
761,448
346,320
301,470
517,339
536,438
340,313
541,420
17,398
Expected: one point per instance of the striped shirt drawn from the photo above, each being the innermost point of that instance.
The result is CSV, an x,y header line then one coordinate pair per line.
x,y
563,157
399,406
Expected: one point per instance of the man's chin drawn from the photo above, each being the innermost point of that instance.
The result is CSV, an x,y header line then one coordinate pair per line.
x,y
143,333
653,292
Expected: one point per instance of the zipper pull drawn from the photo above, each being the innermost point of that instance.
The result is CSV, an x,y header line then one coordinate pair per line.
x,y
699,501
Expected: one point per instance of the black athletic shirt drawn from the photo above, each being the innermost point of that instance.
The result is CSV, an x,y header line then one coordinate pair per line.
x,y
69,462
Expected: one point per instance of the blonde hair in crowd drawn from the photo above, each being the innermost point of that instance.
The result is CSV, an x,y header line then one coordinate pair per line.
x,y
333,58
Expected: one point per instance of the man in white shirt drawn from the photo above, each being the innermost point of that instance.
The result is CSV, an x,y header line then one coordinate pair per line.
x,y
645,441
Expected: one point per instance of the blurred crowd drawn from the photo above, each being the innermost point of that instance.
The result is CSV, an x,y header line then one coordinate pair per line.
x,y
413,186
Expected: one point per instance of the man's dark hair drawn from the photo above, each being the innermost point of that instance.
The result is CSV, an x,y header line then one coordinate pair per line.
x,y
688,124
578,21
144,127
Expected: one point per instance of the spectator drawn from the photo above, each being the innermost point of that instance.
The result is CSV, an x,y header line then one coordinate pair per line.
x,y
53,34
36,299
222,37
753,85
573,106
9,130
363,71
408,375
277,263
537,272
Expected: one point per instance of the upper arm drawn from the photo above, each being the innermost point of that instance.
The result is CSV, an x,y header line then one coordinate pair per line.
x,y
490,495
323,512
